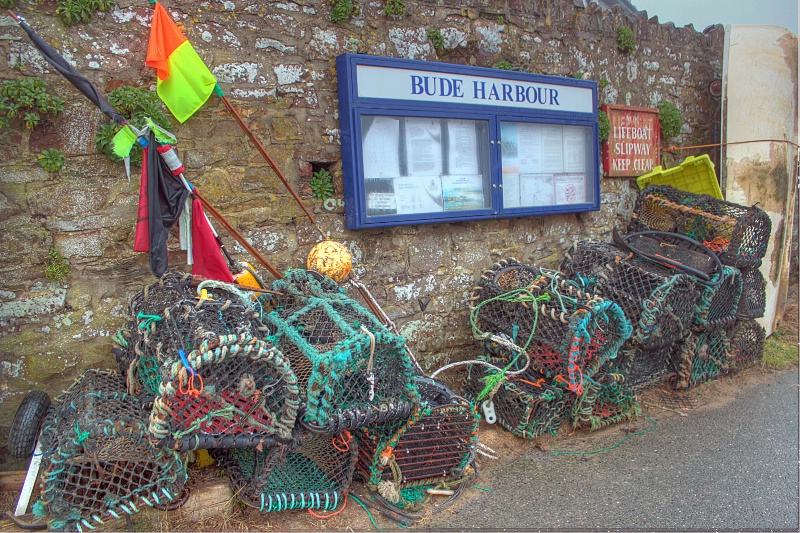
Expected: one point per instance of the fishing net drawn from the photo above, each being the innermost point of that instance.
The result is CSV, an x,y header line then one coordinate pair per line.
x,y
644,369
564,329
606,400
754,295
747,339
351,370
716,305
222,387
738,234
658,301
527,405
98,461
703,356
431,449
313,472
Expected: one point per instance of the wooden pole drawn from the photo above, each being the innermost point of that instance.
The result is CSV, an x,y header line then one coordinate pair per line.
x,y
266,156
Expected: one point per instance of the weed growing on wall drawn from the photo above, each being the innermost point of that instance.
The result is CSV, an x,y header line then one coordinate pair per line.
x,y
341,10
52,160
7,4
74,11
135,104
27,99
56,267
670,119
503,65
437,40
603,125
625,41
322,184
394,8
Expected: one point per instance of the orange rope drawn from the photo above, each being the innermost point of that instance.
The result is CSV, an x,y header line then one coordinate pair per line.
x,y
324,517
342,442
676,148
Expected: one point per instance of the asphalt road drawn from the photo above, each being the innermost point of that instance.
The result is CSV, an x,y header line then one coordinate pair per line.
x,y
731,467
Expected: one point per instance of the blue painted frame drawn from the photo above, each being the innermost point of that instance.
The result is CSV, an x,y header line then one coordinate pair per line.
x,y
352,107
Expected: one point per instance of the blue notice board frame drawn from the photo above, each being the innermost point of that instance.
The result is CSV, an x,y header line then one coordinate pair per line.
x,y
514,122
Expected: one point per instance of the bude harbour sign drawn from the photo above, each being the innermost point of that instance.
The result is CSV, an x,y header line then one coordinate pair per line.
x,y
450,88
633,147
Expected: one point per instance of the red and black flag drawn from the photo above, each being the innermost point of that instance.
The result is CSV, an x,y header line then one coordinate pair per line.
x,y
76,79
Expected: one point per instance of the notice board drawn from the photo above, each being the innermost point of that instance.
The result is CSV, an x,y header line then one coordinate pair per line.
x,y
427,142
633,147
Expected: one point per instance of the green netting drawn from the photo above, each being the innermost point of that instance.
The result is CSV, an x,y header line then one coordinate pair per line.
x,y
98,462
351,369
703,356
314,472
433,448
658,301
606,400
716,305
563,328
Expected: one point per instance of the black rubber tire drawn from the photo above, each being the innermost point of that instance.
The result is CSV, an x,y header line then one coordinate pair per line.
x,y
25,427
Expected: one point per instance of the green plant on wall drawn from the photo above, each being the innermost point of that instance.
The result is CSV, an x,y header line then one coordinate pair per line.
x,y
394,8
604,125
670,119
52,160
74,11
437,40
135,104
503,65
56,267
625,41
27,99
341,10
603,82
322,184
7,4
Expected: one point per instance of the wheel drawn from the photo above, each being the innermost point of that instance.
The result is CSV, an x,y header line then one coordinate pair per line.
x,y
25,427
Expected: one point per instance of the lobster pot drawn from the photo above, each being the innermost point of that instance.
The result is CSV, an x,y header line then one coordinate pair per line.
x,y
94,395
233,391
527,405
98,462
738,234
562,328
747,339
139,351
754,294
702,356
313,472
606,400
716,305
434,447
644,369
351,370
149,338
658,301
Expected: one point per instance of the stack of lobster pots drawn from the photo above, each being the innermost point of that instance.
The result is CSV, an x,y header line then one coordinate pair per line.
x,y
687,275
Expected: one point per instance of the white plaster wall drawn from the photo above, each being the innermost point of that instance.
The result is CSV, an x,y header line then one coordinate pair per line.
x,y
759,102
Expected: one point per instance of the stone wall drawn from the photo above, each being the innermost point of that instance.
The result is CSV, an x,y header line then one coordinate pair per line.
x,y
276,61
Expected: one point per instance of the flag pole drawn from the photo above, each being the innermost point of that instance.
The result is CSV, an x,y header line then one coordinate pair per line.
x,y
218,91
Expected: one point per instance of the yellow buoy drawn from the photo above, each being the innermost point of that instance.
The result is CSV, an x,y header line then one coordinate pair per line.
x,y
330,258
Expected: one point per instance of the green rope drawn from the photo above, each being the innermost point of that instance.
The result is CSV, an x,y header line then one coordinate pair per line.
x,y
82,436
369,514
147,320
522,295
617,445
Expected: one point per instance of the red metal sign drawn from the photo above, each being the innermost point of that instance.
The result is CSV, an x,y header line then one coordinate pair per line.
x,y
634,142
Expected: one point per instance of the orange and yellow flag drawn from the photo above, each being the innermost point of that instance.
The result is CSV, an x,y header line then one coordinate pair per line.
x,y
184,81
